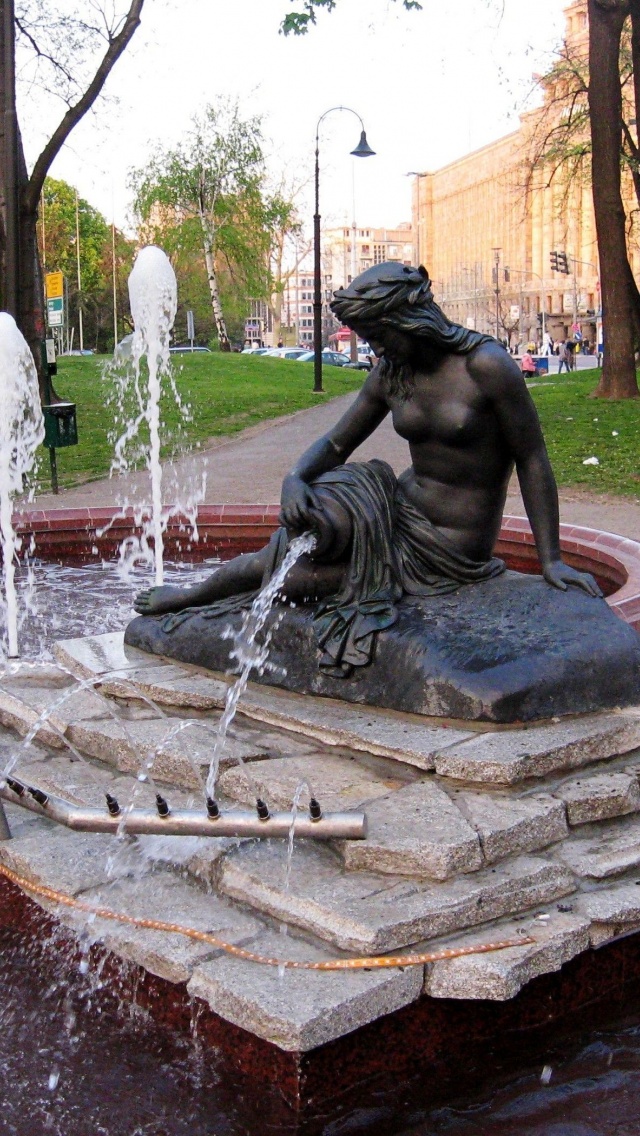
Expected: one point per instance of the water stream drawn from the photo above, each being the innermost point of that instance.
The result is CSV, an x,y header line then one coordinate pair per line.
x,y
21,432
154,299
250,652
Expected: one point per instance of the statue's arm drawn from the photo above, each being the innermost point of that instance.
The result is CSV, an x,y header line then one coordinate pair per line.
x,y
500,379
332,449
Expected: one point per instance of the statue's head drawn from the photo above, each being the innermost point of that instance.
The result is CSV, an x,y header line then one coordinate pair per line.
x,y
398,297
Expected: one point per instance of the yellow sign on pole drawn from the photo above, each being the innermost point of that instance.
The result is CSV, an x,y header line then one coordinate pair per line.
x,y
54,285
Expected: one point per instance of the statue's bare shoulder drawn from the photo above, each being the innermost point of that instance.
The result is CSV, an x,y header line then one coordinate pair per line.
x,y
496,371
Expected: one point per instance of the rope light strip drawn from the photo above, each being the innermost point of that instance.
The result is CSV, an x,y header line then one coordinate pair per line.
x,y
367,963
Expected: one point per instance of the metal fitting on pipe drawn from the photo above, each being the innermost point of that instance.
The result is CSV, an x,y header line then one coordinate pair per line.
x,y
188,822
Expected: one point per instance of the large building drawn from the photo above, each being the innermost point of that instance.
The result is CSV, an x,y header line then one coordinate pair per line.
x,y
486,229
372,246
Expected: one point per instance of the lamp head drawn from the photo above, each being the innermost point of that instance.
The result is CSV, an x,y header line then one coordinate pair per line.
x,y
363,149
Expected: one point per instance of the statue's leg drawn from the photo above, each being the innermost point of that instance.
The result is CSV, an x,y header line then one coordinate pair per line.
x,y
242,574
310,579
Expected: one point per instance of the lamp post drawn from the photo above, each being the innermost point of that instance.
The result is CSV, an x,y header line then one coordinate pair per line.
x,y
362,150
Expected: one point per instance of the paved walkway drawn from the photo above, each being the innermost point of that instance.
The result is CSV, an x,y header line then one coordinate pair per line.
x,y
249,467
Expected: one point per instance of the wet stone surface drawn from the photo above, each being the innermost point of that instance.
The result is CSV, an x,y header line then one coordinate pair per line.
x,y
502,838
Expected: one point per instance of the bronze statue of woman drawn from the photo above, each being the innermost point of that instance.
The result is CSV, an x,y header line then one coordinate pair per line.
x,y
461,403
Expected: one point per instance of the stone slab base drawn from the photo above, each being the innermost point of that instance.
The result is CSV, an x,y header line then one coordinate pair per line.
x,y
507,650
415,1057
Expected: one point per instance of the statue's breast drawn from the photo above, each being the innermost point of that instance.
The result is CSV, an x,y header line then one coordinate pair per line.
x,y
450,420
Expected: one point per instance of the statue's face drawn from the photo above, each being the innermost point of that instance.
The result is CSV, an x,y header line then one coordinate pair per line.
x,y
397,346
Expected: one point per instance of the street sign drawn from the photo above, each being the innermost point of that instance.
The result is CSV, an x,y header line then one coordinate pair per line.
x,y
54,285
55,312
514,312
191,331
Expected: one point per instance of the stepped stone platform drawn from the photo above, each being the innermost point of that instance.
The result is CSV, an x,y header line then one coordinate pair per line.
x,y
476,833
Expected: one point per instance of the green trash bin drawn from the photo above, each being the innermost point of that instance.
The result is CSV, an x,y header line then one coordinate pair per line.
x,y
60,425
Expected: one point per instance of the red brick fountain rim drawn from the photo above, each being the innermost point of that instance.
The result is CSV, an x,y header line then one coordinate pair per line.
x,y
85,535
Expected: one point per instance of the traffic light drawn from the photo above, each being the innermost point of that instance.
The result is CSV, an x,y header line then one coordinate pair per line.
x,y
563,263
553,257
507,275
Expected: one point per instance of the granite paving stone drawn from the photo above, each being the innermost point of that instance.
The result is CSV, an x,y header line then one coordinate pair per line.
x,y
81,782
617,904
369,912
602,933
70,862
21,717
600,797
508,756
169,685
131,744
338,782
160,895
100,654
499,975
416,831
294,1009
405,737
65,704
607,849
508,825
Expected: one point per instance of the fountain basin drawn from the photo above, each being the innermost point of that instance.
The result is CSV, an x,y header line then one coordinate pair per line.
x,y
224,531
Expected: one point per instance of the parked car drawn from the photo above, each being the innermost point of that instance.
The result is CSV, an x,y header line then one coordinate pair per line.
x,y
255,350
286,352
329,358
186,349
361,365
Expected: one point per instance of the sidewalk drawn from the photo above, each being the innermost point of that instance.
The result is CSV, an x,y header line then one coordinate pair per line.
x,y
248,468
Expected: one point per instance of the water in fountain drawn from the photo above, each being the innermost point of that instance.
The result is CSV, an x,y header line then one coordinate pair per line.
x,y
153,296
21,432
249,652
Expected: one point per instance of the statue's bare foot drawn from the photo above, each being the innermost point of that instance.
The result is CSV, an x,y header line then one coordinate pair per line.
x,y
157,601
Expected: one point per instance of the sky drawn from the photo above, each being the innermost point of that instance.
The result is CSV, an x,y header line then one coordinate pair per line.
x,y
430,86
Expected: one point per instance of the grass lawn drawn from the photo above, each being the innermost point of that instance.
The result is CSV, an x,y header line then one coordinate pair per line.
x,y
226,393
230,392
577,427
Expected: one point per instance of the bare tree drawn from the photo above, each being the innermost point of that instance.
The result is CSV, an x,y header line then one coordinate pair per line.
x,y
73,54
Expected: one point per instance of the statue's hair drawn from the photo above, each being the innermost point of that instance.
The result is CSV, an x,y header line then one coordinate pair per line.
x,y
394,295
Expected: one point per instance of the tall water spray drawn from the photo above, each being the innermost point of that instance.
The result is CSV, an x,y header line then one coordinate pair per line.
x,y
21,432
153,294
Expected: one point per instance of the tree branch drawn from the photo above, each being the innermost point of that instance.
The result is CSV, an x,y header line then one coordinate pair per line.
x,y
73,116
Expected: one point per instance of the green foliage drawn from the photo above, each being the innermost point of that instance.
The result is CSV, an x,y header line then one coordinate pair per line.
x,y
297,23
577,426
205,195
57,243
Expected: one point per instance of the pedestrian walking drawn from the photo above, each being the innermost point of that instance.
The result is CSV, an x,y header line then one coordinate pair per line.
x,y
528,366
566,357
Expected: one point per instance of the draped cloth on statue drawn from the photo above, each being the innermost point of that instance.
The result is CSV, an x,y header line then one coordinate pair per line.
x,y
394,551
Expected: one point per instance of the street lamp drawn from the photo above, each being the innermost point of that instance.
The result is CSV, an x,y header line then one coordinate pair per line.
x,y
362,150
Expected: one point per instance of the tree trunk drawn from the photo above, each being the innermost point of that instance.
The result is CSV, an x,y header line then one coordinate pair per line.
x,y
276,315
218,315
31,316
606,20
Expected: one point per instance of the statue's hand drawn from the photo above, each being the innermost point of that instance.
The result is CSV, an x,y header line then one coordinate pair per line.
x,y
298,505
561,575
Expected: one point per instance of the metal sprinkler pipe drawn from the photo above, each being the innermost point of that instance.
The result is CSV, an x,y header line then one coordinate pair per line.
x,y
185,822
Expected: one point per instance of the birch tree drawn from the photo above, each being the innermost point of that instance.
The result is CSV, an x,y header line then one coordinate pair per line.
x,y
209,188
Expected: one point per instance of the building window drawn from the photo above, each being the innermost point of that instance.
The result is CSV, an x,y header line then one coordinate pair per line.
x,y
378,254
